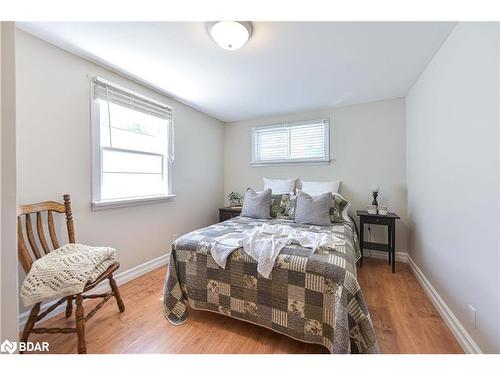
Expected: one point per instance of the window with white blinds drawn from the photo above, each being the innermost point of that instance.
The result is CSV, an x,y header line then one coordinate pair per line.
x,y
132,145
297,142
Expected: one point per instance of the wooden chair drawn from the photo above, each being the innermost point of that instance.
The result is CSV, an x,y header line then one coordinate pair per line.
x,y
26,258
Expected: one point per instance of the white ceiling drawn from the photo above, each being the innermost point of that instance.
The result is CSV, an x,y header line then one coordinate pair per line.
x,y
285,67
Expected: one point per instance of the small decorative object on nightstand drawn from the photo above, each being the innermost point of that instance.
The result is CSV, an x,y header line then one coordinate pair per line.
x,y
235,199
388,220
227,213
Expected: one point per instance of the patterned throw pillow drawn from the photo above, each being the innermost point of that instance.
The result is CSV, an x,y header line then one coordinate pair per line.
x,y
283,206
339,209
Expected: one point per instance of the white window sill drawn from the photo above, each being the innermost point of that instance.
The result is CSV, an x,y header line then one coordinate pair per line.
x,y
284,163
119,203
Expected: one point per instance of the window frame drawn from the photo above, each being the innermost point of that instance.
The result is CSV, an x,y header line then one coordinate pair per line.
x,y
97,156
324,161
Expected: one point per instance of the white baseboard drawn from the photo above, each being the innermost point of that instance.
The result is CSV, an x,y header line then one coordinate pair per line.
x,y
121,278
457,329
400,256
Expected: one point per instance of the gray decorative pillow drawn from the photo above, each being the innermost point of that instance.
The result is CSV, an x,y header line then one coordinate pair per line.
x,y
313,210
257,205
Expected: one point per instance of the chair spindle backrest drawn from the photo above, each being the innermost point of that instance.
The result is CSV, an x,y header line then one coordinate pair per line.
x,y
27,257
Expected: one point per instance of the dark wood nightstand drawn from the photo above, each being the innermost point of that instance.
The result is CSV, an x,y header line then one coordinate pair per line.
x,y
388,220
227,213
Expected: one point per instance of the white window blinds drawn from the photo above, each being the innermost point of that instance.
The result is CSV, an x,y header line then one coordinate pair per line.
x,y
298,142
115,94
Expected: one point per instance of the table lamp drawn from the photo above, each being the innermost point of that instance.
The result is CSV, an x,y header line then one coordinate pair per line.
x,y
375,190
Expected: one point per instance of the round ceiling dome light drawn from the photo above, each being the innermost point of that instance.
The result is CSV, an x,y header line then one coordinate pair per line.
x,y
230,35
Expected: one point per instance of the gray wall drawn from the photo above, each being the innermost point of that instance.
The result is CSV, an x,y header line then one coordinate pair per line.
x,y
367,143
8,202
453,177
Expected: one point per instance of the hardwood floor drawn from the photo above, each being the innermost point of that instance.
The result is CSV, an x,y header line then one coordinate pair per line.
x,y
404,318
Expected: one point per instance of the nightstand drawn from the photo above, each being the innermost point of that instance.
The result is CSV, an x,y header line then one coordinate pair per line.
x,y
388,220
227,213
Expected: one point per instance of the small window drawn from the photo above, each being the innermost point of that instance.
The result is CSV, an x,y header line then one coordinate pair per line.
x,y
297,142
132,146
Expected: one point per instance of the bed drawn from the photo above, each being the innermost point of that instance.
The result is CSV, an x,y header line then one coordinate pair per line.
x,y
310,296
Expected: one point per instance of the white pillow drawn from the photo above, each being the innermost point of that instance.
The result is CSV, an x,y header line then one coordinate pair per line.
x,y
280,186
317,187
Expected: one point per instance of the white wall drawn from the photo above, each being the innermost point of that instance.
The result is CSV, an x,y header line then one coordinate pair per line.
x,y
54,156
453,176
8,202
367,142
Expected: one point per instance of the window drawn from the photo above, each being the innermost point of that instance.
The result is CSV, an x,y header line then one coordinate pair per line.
x,y
297,142
132,147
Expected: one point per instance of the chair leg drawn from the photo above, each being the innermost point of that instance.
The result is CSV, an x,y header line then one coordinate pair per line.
x,y
69,307
30,323
80,325
116,291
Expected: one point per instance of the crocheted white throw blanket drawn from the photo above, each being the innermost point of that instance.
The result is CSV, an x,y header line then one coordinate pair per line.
x,y
65,271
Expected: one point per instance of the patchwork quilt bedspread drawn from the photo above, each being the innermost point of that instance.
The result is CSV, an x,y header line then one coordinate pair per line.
x,y
310,296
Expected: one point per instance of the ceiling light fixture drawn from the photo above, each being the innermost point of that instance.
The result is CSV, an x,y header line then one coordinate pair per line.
x,y
230,35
